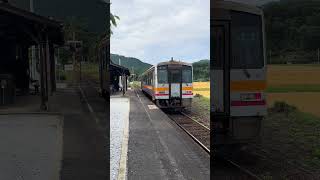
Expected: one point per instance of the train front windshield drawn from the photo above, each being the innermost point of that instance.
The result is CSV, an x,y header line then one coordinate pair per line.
x,y
247,41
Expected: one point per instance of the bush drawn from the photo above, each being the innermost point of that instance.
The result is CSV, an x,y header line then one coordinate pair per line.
x,y
62,77
283,107
316,153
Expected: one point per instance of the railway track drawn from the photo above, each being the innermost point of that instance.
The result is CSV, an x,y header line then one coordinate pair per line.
x,y
198,132
223,168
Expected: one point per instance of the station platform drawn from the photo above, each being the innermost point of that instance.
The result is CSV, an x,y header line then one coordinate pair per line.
x,y
30,151
32,147
158,148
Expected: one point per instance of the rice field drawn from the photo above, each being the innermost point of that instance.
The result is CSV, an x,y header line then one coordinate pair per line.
x,y
202,88
298,85
279,75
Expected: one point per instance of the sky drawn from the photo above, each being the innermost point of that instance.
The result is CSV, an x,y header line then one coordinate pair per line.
x,y
156,30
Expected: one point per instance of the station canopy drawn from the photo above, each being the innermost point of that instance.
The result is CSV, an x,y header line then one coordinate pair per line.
x,y
118,70
24,27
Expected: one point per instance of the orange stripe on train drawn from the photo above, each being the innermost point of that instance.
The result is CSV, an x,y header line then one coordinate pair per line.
x,y
162,89
187,88
248,85
148,87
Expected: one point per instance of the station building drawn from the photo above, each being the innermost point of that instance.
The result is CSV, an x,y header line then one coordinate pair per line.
x,y
19,31
118,79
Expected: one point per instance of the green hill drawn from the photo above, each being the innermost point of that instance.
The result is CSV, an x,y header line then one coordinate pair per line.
x,y
135,65
201,70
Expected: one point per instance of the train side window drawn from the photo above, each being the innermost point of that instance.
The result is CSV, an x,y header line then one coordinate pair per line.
x,y
162,76
153,73
151,78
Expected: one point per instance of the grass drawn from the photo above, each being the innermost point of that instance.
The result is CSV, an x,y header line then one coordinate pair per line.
x,y
135,84
91,70
293,133
201,109
294,88
202,102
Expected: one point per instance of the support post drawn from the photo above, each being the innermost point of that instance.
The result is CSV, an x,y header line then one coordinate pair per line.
x,y
52,69
43,105
48,68
123,84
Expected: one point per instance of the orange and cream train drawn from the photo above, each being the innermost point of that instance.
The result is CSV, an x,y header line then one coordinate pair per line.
x,y
169,84
238,73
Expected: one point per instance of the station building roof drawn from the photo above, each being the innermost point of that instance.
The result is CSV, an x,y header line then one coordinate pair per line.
x,y
116,69
26,27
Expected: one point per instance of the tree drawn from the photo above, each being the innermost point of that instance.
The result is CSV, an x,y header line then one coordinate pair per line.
x,y
292,29
113,20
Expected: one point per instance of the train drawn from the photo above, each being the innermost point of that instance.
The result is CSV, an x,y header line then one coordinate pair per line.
x,y
238,73
169,84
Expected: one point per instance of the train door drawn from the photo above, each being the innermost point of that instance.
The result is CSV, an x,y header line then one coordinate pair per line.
x,y
175,83
220,75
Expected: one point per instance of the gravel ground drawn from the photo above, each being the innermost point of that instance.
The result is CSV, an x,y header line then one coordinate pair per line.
x,y
119,114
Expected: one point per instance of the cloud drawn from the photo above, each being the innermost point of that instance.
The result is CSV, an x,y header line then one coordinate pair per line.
x,y
155,31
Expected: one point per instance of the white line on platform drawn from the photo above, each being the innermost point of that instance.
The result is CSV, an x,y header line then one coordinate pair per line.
x,y
124,150
89,106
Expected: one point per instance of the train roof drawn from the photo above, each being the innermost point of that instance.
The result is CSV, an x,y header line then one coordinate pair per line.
x,y
171,62
236,6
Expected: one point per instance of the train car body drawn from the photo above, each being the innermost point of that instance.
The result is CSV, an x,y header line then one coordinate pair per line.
x,y
169,84
238,73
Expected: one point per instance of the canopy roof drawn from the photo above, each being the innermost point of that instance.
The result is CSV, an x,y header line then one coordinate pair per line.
x,y
25,27
118,70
